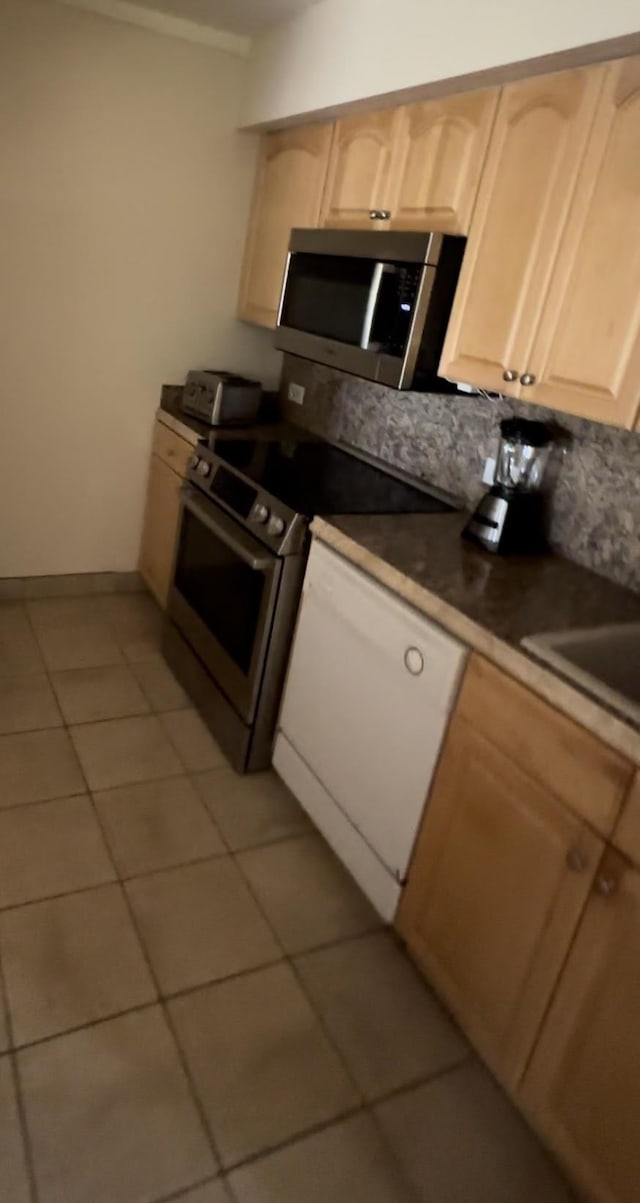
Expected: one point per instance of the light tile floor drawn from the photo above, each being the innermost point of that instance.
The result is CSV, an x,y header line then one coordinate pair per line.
x,y
196,1002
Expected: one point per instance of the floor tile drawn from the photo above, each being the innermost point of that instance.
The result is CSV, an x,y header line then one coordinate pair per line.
x,y
37,765
459,1139
306,894
80,645
124,750
261,1063
388,1026
161,689
19,651
88,694
194,742
156,824
110,1114
213,1192
65,611
200,924
14,1183
70,961
251,810
347,1163
130,607
50,848
137,625
27,703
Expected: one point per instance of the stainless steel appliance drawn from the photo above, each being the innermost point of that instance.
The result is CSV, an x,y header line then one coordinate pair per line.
x,y
510,517
221,398
374,303
240,559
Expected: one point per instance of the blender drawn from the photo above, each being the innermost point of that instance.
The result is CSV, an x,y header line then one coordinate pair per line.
x,y
510,517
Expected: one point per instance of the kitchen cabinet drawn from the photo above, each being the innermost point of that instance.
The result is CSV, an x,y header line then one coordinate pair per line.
x,y
626,836
359,177
530,175
585,357
166,471
498,880
582,1088
439,152
288,192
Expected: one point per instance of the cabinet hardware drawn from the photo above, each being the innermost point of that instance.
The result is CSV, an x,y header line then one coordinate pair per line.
x,y
509,375
527,378
606,886
576,860
379,214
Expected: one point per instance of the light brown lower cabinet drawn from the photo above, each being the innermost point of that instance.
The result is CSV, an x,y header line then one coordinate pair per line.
x,y
499,878
582,1088
160,528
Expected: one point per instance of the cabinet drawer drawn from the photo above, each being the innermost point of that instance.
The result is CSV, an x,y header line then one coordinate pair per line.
x,y
578,768
169,447
627,834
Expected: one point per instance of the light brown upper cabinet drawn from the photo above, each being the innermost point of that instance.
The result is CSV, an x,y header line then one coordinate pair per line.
x,y
586,354
288,192
582,1088
359,179
530,174
498,880
439,152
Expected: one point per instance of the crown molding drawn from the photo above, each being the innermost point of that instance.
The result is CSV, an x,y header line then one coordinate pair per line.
x,y
165,23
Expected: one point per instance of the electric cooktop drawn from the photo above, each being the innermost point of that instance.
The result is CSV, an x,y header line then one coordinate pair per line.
x,y
315,477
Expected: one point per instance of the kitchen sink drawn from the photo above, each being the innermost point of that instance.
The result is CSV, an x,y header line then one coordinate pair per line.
x,y
605,661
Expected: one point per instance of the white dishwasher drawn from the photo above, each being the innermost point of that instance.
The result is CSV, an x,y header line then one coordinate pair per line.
x,y
369,688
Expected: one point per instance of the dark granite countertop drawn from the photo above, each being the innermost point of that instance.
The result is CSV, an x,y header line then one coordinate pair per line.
x,y
491,602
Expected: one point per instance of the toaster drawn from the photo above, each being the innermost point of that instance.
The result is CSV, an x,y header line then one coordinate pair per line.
x,y
221,398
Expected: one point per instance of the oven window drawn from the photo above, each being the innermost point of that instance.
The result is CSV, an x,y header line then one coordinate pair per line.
x,y
223,591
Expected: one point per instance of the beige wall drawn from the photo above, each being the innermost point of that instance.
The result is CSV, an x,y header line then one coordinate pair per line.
x,y
123,200
339,51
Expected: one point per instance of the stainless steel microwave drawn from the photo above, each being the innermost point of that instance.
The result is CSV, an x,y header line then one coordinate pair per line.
x,y
374,303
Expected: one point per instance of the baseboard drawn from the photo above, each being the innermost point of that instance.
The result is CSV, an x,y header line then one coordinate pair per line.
x,y
19,588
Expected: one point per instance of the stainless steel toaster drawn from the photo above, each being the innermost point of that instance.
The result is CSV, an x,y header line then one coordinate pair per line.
x,y
221,398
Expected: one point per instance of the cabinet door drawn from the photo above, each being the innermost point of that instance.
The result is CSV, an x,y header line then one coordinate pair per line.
x,y
440,149
359,176
586,356
288,193
582,1088
530,173
160,528
498,880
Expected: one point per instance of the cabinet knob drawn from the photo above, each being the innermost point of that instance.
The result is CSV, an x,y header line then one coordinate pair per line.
x,y
606,885
576,860
379,214
509,375
414,661
527,378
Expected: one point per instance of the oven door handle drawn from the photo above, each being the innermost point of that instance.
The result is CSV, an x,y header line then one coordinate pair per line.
x,y
220,525
381,269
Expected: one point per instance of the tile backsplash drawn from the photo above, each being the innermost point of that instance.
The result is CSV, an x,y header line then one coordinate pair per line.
x,y
595,499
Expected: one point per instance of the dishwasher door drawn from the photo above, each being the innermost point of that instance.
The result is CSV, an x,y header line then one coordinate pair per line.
x,y
370,685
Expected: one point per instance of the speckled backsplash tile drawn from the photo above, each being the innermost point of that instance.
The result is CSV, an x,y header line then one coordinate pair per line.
x,y
595,500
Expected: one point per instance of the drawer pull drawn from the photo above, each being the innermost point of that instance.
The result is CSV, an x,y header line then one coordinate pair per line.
x,y
606,885
414,661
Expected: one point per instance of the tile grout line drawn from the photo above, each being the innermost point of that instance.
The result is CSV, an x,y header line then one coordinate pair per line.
x,y
12,1055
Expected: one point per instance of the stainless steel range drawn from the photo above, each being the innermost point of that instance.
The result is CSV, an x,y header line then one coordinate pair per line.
x,y
240,559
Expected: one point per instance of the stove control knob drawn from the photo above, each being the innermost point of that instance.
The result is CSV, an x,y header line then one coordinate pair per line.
x,y
203,468
260,513
194,460
275,525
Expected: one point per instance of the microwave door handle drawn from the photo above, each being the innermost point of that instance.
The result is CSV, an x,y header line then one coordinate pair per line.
x,y
219,528
285,280
380,270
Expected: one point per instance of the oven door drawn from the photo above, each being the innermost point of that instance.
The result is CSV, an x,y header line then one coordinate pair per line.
x,y
223,596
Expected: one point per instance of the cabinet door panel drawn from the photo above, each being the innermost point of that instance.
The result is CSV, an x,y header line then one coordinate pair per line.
x,y
358,179
530,173
586,356
288,193
440,150
491,906
160,528
582,1087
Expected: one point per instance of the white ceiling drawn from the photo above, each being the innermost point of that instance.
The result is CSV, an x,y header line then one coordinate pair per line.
x,y
237,16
